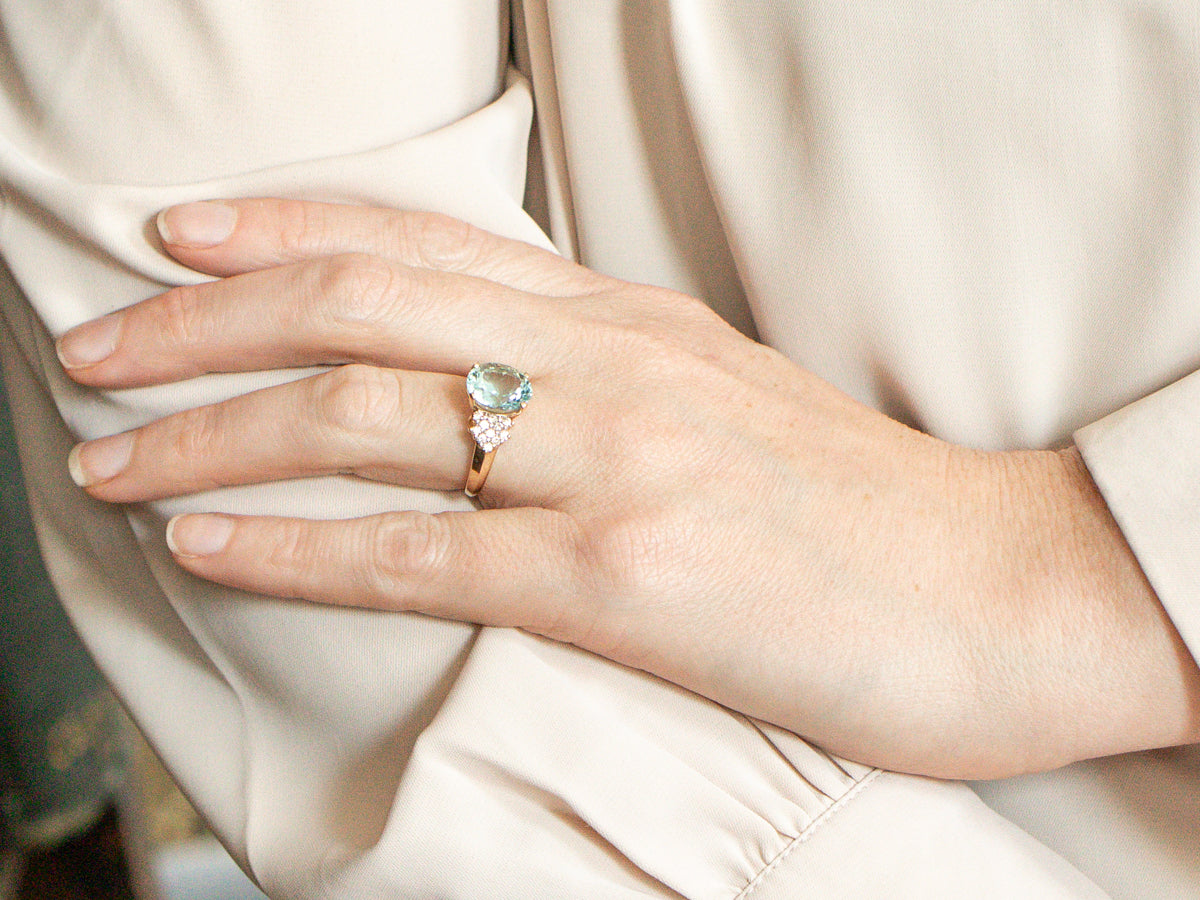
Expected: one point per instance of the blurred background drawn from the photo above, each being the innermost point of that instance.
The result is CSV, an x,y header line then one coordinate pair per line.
x,y
86,811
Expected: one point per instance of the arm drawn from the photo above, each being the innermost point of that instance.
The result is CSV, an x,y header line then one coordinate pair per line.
x,y
865,585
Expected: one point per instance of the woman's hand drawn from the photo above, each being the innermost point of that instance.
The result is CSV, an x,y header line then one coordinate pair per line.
x,y
676,497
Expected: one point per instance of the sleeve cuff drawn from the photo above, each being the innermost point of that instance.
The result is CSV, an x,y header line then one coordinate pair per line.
x,y
1145,459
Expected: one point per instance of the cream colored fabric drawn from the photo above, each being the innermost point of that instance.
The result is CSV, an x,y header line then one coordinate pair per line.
x,y
978,217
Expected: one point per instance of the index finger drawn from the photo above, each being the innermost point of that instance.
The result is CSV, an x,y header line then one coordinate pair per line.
x,y
230,237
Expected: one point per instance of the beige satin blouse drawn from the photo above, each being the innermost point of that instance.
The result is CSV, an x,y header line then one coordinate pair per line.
x,y
980,218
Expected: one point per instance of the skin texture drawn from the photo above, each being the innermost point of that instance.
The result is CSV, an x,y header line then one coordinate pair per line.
x,y
676,497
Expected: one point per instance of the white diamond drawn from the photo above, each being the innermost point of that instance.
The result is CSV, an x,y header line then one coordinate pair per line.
x,y
489,430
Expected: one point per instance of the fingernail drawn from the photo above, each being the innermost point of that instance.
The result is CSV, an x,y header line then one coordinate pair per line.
x,y
197,225
198,535
89,343
100,460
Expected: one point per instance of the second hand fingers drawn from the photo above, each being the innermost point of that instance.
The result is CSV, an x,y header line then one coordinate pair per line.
x,y
385,424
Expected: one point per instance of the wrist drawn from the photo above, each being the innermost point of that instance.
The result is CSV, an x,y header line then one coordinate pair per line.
x,y
1099,666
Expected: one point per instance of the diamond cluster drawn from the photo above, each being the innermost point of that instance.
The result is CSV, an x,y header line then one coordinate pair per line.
x,y
489,429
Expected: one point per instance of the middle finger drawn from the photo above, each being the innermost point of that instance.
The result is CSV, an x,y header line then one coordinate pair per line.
x,y
350,308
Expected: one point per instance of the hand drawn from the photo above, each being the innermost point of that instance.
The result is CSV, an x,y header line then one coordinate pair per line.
x,y
676,497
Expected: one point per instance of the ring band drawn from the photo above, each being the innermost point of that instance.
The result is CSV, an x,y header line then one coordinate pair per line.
x,y
498,394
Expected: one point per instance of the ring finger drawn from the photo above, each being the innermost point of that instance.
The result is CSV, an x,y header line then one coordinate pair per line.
x,y
385,424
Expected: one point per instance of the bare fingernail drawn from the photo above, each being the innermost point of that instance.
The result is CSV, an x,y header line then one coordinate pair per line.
x,y
89,343
100,460
192,536
197,225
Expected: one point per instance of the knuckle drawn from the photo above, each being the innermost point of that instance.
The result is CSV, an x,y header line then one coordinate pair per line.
x,y
290,547
659,353
407,550
182,320
357,287
620,548
198,436
661,324
671,309
302,227
358,399
647,349
632,560
443,242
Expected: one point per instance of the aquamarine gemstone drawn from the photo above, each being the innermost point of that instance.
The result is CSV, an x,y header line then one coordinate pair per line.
x,y
498,388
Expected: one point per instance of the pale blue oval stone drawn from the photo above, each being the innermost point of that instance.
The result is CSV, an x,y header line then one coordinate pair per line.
x,y
498,388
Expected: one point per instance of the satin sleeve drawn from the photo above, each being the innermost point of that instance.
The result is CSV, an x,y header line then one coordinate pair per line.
x,y
1143,458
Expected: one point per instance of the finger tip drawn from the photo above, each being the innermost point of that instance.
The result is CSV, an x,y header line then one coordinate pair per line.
x,y
90,343
67,363
164,229
178,548
72,364
76,468
173,544
199,225
195,536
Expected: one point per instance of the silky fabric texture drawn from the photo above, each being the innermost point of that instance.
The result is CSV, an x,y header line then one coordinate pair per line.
x,y
977,218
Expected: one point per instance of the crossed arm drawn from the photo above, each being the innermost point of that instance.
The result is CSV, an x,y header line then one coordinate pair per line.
x,y
676,497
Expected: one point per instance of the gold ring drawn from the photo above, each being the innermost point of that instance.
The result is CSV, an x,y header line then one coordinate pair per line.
x,y
498,394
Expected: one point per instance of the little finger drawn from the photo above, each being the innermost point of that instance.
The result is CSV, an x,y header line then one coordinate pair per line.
x,y
517,567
